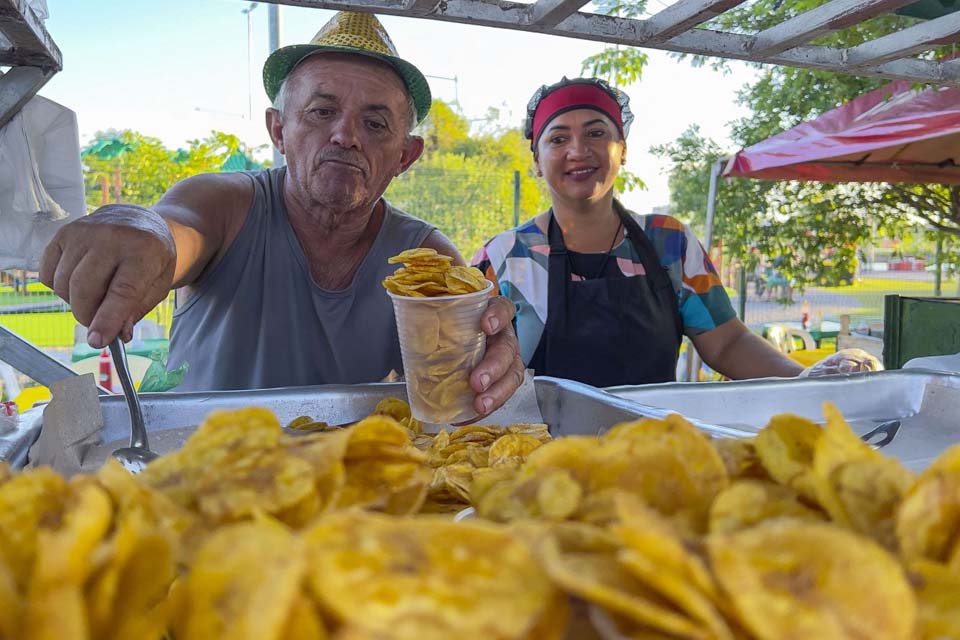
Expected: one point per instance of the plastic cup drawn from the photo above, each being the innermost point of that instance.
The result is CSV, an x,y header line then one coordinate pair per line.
x,y
441,342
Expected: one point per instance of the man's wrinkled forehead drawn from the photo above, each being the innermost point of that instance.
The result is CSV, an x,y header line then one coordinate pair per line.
x,y
336,64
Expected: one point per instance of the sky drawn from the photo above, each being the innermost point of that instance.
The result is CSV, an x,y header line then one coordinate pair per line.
x,y
178,69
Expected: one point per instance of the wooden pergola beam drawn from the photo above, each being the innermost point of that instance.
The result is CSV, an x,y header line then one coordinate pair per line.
x,y
822,20
420,7
505,14
919,37
684,15
32,45
550,13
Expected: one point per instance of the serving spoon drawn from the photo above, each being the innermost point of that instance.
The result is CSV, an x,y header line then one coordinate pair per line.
x,y
135,457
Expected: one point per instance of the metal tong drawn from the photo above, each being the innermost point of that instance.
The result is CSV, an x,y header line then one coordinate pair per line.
x,y
882,435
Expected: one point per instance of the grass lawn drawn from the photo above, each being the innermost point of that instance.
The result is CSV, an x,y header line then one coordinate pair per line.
x,y
893,285
42,329
48,329
867,293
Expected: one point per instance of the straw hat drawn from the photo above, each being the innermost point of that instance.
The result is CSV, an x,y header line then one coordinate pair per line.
x,y
349,32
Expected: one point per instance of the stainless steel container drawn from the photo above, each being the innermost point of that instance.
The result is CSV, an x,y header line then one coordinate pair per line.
x,y
926,403
569,408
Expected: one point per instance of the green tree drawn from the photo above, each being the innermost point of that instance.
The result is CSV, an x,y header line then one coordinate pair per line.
x,y
445,130
463,183
838,217
620,66
813,227
138,169
692,157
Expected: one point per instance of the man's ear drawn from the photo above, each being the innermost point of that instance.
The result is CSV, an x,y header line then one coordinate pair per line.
x,y
275,128
412,150
536,166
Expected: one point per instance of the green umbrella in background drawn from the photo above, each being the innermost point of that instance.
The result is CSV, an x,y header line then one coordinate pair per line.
x,y
105,148
239,162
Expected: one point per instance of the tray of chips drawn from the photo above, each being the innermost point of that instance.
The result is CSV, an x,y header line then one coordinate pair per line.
x,y
649,529
925,403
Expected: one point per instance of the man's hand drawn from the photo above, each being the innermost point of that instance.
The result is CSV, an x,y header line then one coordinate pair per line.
x,y
500,373
112,267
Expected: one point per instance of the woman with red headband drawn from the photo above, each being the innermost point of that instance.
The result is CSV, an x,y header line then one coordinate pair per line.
x,y
604,295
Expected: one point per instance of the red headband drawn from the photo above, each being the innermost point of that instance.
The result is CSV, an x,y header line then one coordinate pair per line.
x,y
575,96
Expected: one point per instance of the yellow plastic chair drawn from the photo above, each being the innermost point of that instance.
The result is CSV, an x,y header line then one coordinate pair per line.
x,y
797,344
31,396
786,339
807,358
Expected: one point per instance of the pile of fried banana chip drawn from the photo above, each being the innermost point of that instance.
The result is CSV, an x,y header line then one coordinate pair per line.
x,y
649,531
428,274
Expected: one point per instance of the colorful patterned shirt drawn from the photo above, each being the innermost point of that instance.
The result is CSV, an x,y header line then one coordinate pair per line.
x,y
516,261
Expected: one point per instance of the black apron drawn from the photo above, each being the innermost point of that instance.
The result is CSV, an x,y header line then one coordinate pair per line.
x,y
610,330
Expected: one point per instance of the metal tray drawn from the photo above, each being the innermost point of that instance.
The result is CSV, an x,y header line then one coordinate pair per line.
x,y
926,403
569,408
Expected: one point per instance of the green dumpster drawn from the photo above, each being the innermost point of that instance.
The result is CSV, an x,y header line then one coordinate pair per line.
x,y
915,327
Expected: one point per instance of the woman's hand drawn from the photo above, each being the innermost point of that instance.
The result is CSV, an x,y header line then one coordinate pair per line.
x,y
843,361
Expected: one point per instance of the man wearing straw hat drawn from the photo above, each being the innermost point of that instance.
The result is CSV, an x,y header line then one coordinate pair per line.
x,y
281,269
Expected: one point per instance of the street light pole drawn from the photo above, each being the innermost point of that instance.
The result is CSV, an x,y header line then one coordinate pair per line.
x,y
274,28
456,87
247,12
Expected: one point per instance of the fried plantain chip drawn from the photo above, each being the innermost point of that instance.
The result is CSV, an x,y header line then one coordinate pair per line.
x,y
324,452
794,579
928,520
425,578
693,473
601,579
28,501
12,603
748,502
512,449
740,458
938,597
244,584
304,622
421,253
268,481
393,407
124,598
55,605
857,486
224,434
786,447
306,423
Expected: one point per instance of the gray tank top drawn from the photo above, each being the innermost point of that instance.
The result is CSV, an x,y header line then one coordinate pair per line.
x,y
259,320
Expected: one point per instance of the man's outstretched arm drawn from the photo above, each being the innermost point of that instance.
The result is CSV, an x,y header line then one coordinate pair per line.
x,y
118,263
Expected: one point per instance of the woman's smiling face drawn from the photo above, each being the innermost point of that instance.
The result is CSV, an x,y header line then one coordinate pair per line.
x,y
579,155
